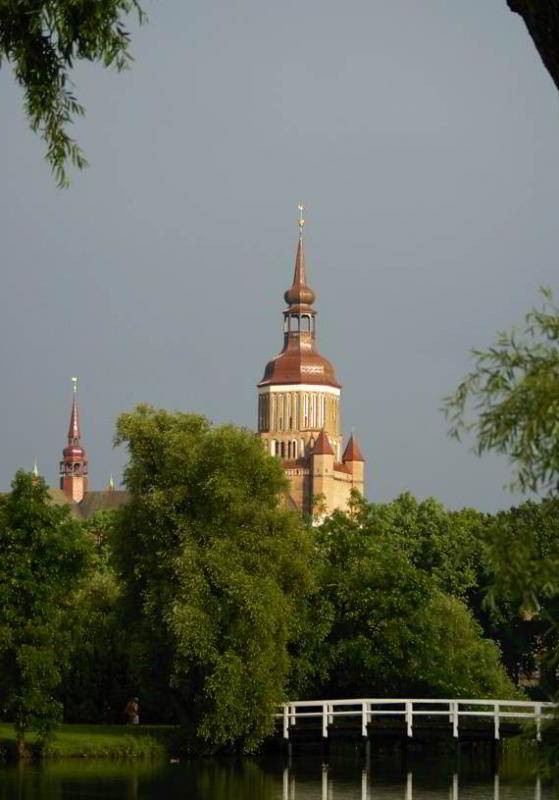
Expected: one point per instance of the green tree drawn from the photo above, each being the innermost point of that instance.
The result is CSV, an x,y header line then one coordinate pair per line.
x,y
394,631
44,555
96,680
445,544
513,392
42,40
215,574
521,588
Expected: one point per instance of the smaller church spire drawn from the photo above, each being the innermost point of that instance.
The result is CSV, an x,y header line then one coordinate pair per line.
x,y
74,434
74,466
35,470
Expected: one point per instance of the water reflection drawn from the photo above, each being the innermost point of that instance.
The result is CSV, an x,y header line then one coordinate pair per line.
x,y
301,779
370,791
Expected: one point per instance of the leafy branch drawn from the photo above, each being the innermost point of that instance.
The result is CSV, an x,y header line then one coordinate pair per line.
x,y
42,39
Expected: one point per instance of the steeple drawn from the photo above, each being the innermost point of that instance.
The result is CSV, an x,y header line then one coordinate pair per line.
x,y
74,434
299,361
74,466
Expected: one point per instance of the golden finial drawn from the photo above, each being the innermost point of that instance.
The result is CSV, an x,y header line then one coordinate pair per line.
x,y
301,220
75,382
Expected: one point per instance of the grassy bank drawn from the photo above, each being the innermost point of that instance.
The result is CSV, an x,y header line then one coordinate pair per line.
x,y
98,741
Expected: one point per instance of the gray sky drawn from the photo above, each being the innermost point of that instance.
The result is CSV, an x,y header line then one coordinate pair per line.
x,y
423,139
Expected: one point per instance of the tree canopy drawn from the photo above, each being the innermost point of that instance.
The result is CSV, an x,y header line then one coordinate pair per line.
x,y
214,572
42,40
386,574
44,554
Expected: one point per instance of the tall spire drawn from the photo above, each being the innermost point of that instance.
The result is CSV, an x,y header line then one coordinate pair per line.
x,y
300,292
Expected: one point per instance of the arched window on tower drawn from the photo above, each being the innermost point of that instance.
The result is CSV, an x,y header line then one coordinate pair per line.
x,y
294,448
305,323
283,449
306,411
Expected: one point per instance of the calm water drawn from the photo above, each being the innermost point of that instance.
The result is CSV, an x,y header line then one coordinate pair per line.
x,y
250,780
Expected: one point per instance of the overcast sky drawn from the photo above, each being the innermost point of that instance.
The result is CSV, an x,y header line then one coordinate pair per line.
x,y
423,139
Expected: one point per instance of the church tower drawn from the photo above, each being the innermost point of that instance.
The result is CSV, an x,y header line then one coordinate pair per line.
x,y
73,467
299,414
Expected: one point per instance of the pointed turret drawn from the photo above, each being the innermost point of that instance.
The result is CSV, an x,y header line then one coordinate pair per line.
x,y
352,451
74,467
322,446
354,461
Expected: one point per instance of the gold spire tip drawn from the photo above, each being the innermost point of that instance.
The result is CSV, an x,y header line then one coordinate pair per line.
x,y
301,221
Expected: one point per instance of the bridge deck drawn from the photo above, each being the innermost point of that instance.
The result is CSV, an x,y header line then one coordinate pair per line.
x,y
465,719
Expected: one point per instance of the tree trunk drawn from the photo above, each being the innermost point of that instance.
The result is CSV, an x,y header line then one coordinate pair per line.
x,y
542,20
21,748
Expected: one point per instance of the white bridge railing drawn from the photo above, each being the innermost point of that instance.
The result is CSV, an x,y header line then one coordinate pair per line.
x,y
453,710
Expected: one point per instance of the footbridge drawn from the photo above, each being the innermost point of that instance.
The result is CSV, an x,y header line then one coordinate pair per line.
x,y
382,718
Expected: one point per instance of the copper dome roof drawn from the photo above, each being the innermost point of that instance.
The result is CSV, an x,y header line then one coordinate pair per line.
x,y
294,366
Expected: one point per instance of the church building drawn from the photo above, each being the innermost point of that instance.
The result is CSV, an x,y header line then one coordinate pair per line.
x,y
299,412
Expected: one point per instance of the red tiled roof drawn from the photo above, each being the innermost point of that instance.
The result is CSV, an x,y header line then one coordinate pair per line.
x,y
352,451
322,446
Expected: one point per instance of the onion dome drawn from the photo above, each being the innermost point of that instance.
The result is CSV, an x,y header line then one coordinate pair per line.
x,y
299,361
300,293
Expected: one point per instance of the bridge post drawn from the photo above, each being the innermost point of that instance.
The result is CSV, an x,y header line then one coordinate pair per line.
x,y
538,708
285,722
364,719
496,719
409,717
454,719
324,721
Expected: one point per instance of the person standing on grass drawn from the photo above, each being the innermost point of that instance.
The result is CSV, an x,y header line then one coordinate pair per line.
x,y
132,711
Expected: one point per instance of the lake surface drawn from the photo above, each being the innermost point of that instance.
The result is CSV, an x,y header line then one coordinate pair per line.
x,y
303,779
